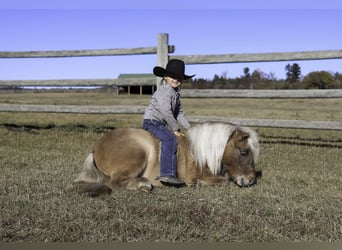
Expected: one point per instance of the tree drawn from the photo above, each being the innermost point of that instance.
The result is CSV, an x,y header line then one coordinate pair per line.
x,y
219,81
256,78
293,73
337,80
246,72
318,80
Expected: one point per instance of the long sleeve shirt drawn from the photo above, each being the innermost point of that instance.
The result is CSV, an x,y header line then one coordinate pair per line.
x,y
165,106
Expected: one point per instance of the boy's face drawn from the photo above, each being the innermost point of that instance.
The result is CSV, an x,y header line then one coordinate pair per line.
x,y
174,83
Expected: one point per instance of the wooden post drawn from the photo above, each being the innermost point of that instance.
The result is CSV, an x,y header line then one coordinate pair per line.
x,y
162,52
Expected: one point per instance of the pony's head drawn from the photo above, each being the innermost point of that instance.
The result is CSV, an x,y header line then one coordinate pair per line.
x,y
239,157
227,150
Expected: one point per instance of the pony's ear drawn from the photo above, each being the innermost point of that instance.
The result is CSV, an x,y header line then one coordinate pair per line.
x,y
242,135
239,135
233,134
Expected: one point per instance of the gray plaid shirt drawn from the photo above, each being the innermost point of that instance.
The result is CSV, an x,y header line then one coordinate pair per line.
x,y
165,106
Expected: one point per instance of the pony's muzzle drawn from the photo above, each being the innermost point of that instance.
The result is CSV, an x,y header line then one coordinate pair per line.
x,y
248,181
243,181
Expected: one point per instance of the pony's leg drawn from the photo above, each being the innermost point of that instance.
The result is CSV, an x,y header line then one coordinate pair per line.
x,y
212,180
139,183
89,173
90,180
92,189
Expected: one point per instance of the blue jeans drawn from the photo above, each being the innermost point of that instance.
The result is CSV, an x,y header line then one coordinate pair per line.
x,y
169,144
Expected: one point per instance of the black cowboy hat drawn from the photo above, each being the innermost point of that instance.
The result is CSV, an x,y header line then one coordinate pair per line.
x,y
175,68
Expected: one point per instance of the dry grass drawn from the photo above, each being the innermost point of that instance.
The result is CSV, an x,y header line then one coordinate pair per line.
x,y
300,109
299,197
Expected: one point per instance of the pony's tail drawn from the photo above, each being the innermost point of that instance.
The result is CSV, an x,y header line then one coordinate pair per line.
x,y
90,180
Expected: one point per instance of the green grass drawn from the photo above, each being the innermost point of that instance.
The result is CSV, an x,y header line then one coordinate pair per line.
x,y
298,198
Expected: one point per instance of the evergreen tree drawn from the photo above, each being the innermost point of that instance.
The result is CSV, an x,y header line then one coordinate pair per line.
x,y
246,72
293,73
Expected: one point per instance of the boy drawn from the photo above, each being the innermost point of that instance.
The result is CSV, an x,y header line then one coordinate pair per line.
x,y
162,117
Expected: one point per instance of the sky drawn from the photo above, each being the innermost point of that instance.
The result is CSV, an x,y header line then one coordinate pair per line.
x,y
194,28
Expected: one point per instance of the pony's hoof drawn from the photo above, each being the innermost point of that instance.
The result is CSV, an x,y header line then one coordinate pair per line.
x,y
199,183
147,188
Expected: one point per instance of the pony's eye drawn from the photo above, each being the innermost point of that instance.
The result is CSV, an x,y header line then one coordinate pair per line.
x,y
244,152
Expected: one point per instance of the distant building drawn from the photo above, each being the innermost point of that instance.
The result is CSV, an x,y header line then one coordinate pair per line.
x,y
136,83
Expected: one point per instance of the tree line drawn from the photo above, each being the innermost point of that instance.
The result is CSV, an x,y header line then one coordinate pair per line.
x,y
260,80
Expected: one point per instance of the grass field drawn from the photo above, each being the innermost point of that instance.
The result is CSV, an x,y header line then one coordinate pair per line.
x,y
299,197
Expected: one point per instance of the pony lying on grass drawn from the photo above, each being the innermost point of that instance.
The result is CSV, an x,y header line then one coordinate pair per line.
x,y
208,154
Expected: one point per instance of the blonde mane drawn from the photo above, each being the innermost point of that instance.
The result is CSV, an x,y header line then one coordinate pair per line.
x,y
207,142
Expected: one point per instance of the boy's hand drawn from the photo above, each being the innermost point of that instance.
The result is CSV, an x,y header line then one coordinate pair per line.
x,y
178,133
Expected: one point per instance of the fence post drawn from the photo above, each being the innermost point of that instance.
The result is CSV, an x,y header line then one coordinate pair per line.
x,y
162,52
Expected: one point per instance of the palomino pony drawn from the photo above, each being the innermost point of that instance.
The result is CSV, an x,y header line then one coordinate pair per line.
x,y
208,154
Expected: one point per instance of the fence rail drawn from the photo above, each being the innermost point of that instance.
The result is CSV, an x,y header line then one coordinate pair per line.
x,y
261,57
138,109
61,82
246,93
162,50
78,53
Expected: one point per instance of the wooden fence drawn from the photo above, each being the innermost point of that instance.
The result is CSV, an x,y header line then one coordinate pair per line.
x,y
136,109
162,50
